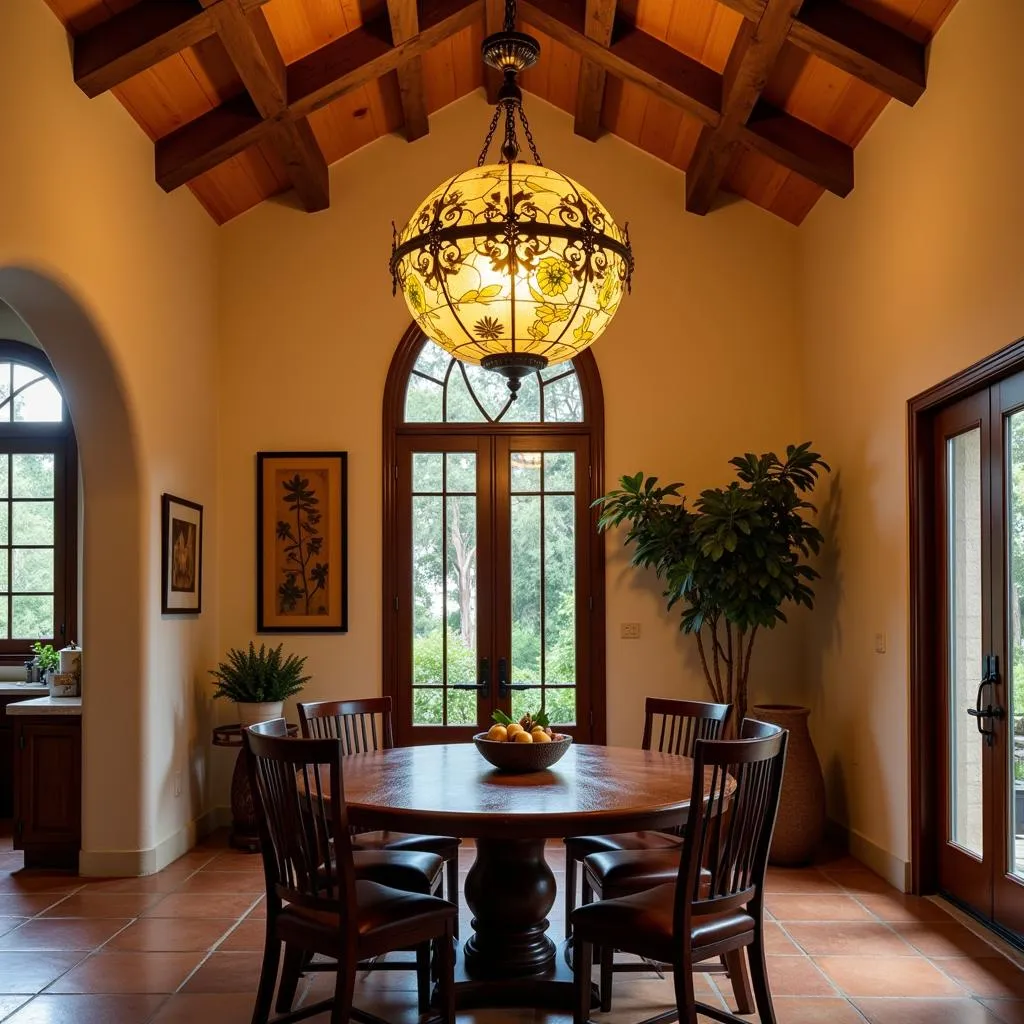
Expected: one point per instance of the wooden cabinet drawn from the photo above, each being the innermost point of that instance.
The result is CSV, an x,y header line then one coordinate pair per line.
x,y
48,789
7,751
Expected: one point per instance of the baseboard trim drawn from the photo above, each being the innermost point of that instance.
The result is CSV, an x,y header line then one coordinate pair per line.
x,y
895,871
134,863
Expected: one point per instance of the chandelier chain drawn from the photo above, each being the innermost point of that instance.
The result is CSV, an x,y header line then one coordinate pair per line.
x,y
490,136
510,15
529,138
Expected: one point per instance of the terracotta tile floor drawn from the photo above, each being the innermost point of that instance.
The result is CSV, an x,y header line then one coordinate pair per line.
x,y
183,947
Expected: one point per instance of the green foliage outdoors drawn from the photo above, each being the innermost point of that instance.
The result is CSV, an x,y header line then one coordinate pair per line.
x,y
733,559
1015,613
257,677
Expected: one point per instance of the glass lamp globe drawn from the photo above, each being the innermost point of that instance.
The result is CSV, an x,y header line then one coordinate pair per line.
x,y
513,266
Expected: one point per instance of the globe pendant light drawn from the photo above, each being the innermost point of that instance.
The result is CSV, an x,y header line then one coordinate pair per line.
x,y
511,265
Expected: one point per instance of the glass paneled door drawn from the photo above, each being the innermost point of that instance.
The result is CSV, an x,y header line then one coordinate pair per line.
x,y
494,564
979,531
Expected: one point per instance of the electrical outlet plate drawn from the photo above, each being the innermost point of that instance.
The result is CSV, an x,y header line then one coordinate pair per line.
x,y
630,631
879,643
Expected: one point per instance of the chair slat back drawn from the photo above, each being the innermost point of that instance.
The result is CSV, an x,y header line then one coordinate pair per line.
x,y
733,806
676,725
299,799
361,725
753,729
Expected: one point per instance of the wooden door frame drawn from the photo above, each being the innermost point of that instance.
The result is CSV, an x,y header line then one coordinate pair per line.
x,y
925,816
593,427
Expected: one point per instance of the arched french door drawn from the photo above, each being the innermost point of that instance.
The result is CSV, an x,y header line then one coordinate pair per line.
x,y
493,567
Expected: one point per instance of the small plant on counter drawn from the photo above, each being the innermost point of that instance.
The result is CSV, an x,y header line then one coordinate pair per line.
x,y
257,677
47,658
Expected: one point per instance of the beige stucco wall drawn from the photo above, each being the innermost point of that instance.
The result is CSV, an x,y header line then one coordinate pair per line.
x,y
119,283
702,362
913,277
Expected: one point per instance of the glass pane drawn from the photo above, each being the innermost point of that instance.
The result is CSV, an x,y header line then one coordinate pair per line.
x,y
491,390
461,608
32,570
5,623
3,475
461,467
1014,608
524,468
459,404
563,402
40,402
5,392
423,401
428,706
559,471
963,537
31,617
559,590
32,522
427,635
5,511
32,475
526,601
426,471
4,554
432,361
526,407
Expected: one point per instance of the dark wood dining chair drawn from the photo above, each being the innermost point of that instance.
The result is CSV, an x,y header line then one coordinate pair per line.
x,y
624,872
715,905
315,902
671,727
362,726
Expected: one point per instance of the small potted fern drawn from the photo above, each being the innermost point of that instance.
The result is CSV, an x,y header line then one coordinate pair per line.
x,y
259,682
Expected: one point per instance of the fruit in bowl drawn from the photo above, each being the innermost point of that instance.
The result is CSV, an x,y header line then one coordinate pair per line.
x,y
528,745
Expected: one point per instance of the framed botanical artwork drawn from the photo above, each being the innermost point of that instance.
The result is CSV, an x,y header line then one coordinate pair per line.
x,y
182,574
301,542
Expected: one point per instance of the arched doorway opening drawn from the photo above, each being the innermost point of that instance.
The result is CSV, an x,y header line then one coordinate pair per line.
x,y
110,542
493,567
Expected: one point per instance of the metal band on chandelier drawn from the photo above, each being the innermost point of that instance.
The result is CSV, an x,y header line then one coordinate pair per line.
x,y
511,265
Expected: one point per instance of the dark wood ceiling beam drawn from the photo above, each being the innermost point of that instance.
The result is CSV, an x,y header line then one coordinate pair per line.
x,y
753,55
856,43
599,22
250,44
636,57
404,26
347,63
138,38
800,147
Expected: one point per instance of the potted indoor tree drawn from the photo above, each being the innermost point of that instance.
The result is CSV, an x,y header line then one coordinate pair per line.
x,y
259,682
732,561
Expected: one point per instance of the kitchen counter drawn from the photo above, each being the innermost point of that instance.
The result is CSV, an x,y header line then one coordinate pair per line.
x,y
47,706
29,689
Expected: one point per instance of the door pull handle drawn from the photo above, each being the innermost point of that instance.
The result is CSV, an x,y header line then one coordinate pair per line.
x,y
989,677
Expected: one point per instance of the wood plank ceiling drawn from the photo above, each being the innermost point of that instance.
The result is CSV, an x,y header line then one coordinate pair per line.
x,y
245,99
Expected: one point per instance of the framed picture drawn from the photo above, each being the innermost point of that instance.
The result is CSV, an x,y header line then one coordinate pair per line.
x,y
301,542
182,575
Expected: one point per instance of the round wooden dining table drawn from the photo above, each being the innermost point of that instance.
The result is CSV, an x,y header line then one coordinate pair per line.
x,y
449,789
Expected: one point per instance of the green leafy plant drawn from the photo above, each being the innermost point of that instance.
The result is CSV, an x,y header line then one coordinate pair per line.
x,y
733,559
257,677
47,658
540,718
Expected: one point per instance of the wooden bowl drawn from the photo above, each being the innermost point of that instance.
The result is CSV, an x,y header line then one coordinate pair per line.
x,y
521,757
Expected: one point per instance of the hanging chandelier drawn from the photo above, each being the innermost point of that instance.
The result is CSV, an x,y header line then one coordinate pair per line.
x,y
511,265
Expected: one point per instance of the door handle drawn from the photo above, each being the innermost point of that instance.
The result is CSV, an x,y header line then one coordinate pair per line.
x,y
989,677
504,686
484,686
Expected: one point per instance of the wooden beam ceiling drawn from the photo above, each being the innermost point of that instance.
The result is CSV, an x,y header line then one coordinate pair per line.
x,y
598,24
279,99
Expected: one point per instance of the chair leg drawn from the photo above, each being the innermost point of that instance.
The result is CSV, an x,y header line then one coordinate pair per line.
x,y
423,976
446,975
759,977
736,963
570,891
268,978
582,959
452,868
607,966
344,988
295,959
686,1000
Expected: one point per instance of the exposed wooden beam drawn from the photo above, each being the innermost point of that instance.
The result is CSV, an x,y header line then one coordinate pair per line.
x,y
137,39
875,53
753,55
856,43
494,21
339,67
636,57
250,44
598,24
800,147
405,25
